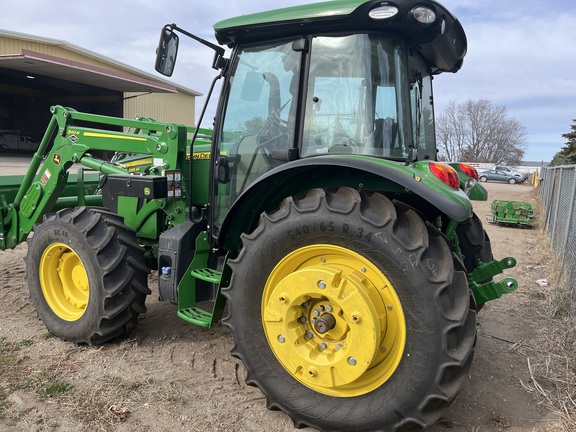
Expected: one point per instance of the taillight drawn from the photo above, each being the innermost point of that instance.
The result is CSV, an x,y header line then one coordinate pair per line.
x,y
445,173
469,170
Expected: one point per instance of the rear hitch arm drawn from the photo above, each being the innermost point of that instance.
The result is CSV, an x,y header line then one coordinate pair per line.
x,y
484,292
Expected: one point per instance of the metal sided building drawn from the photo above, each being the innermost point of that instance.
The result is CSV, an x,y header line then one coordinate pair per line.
x,y
37,72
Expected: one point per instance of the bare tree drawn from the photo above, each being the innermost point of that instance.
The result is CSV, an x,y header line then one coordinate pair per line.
x,y
478,131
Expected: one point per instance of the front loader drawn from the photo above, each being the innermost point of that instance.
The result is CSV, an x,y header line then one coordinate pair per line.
x,y
349,261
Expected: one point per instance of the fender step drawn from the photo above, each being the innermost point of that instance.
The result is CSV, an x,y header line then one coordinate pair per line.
x,y
196,316
200,317
208,275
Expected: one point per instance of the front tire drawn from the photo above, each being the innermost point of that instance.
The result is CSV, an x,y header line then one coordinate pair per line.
x,y
394,332
86,275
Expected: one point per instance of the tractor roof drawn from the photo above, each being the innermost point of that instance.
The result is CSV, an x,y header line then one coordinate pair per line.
x,y
442,42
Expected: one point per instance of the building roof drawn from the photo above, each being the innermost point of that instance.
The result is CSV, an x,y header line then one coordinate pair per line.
x,y
108,73
534,164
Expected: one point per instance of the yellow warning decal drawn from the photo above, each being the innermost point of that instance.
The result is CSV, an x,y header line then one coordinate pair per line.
x,y
104,135
136,162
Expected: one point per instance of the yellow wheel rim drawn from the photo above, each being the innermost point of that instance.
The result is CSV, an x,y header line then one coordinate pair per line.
x,y
64,281
333,320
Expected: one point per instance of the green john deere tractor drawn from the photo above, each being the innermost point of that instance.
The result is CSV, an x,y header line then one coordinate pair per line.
x,y
349,261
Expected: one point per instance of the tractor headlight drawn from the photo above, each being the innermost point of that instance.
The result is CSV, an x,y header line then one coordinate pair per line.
x,y
424,15
383,12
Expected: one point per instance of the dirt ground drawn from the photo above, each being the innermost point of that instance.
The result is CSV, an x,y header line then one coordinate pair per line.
x,y
170,375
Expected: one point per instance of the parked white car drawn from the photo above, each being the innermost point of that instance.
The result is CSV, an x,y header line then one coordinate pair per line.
x,y
512,171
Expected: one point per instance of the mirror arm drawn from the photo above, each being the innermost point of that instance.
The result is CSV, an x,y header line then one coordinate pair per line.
x,y
219,61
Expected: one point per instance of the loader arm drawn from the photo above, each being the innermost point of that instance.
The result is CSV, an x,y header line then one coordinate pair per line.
x,y
67,142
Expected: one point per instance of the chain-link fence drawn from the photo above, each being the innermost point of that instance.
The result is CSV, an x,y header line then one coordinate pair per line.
x,y
558,193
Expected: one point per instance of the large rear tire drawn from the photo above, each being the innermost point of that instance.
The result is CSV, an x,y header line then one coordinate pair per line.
x,y
474,242
86,275
475,246
351,313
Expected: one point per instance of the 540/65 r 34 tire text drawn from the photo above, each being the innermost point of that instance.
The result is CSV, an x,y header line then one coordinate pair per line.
x,y
351,313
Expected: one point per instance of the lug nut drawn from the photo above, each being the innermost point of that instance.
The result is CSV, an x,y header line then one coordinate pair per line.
x,y
352,361
321,284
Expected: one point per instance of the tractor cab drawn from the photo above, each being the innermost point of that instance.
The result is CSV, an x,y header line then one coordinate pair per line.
x,y
302,84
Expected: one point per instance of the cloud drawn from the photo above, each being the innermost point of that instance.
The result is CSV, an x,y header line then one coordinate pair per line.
x,y
519,56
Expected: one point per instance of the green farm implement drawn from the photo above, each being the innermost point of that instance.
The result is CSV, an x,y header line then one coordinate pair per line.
x,y
349,260
516,213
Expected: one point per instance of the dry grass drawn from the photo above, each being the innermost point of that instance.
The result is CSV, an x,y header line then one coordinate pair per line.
x,y
95,404
111,400
552,375
552,366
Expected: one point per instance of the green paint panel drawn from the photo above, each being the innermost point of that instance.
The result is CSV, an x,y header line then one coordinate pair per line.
x,y
310,11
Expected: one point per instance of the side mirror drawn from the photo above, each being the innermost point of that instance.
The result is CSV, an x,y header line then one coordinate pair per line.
x,y
167,51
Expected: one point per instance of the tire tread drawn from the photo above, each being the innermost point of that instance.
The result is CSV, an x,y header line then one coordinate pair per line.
x,y
448,280
119,263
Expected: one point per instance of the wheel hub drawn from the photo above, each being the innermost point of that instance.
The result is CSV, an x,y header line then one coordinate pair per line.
x,y
64,281
325,323
333,320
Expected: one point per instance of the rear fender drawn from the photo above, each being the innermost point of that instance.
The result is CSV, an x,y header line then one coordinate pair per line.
x,y
473,189
412,183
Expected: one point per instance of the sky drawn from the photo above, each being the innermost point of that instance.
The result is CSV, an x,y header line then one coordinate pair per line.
x,y
521,53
